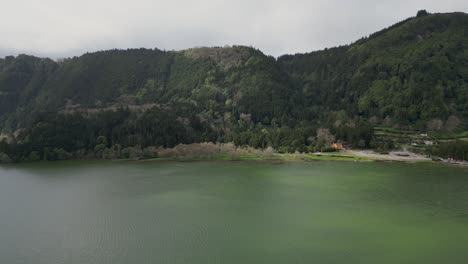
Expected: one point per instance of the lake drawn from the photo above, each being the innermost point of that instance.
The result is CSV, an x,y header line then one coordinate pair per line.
x,y
233,212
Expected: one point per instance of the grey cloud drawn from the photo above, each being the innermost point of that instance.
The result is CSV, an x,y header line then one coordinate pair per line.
x,y
60,28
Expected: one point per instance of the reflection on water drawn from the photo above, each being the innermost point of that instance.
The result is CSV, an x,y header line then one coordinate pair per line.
x,y
233,212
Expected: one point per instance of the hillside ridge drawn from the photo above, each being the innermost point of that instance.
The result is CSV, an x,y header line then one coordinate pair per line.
x,y
410,76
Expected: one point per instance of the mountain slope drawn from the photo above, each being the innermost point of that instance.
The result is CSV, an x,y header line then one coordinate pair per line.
x,y
408,74
237,77
412,75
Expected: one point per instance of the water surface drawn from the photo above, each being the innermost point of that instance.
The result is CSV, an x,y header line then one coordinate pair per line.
x,y
233,212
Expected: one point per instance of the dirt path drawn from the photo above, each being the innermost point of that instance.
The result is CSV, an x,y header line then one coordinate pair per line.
x,y
394,155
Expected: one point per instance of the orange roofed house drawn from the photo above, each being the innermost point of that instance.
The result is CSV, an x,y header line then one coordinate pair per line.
x,y
337,146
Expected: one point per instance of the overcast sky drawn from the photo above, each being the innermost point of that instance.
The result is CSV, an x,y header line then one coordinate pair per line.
x,y
60,28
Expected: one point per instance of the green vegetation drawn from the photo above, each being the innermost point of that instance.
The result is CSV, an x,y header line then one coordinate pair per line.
x,y
411,76
457,150
382,91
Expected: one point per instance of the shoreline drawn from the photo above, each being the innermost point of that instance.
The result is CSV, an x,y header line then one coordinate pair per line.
x,y
278,157
250,154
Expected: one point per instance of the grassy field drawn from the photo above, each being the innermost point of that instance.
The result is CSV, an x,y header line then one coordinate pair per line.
x,y
417,138
449,135
335,156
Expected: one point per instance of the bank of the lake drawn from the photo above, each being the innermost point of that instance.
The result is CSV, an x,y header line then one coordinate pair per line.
x,y
208,151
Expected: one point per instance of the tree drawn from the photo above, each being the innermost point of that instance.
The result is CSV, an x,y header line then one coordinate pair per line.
x,y
99,150
324,138
101,140
34,156
452,123
4,158
422,13
435,125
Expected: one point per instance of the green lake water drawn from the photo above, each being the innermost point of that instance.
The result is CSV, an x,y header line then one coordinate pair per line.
x,y
233,212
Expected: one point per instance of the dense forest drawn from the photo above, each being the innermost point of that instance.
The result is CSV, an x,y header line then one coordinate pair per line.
x,y
410,76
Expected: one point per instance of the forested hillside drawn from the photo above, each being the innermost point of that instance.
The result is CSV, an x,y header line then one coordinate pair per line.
x,y
413,75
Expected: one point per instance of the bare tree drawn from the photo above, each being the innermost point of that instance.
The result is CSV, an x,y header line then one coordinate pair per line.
x,y
324,138
435,125
452,123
